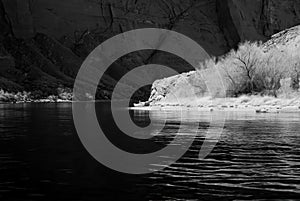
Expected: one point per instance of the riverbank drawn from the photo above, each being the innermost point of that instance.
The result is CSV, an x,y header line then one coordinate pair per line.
x,y
37,101
258,104
63,95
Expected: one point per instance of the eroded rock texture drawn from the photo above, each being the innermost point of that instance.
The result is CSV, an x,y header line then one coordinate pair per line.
x,y
50,39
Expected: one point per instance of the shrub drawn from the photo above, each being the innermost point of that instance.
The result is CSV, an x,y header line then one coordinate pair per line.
x,y
64,93
271,70
240,67
294,71
14,97
252,70
37,94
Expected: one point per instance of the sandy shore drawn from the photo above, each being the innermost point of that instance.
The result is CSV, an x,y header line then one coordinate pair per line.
x,y
262,109
256,104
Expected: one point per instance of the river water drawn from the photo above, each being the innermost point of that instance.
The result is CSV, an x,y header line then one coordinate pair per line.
x,y
41,157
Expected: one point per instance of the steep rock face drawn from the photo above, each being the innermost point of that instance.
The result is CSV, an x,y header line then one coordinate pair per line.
x,y
176,88
8,73
18,14
215,24
75,18
285,40
4,24
226,23
259,19
43,30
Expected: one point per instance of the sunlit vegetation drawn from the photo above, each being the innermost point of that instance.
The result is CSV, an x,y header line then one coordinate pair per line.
x,y
253,70
62,94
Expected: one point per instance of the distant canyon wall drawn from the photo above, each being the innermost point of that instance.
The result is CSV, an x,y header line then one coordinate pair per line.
x,y
217,25
44,42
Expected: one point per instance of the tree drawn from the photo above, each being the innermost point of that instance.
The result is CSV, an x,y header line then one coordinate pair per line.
x,y
294,72
240,67
271,70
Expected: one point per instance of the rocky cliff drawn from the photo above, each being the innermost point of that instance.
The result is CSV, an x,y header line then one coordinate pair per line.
x,y
43,43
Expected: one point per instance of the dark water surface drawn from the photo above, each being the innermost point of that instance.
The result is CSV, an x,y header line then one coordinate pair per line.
x,y
42,158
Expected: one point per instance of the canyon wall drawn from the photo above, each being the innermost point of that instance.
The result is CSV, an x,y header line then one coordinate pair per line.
x,y
35,32
216,24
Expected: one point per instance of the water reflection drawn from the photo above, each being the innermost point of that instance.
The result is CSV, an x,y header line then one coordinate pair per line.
x,y
41,157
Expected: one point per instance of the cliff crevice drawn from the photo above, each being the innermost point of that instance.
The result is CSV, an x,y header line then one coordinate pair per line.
x,y
35,33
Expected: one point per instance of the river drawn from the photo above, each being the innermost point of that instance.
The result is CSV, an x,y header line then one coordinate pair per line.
x,y
41,157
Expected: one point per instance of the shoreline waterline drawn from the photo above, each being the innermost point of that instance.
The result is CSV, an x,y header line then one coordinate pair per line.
x,y
256,104
262,109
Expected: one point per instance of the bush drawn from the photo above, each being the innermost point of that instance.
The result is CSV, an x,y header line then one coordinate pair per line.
x,y
37,94
294,71
252,70
271,71
240,67
65,93
14,97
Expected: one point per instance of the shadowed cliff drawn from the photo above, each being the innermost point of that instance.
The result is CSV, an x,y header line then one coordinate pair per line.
x,y
43,43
